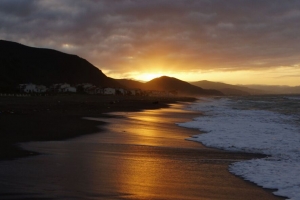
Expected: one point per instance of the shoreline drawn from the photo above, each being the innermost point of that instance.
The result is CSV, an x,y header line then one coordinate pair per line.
x,y
45,118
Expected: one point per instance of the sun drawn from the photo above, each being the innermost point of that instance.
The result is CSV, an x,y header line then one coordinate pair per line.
x,y
148,76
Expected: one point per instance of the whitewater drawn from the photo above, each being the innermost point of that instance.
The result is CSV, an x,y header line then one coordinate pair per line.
x,y
267,125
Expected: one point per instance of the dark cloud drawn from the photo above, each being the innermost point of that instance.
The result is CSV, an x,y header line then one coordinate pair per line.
x,y
179,34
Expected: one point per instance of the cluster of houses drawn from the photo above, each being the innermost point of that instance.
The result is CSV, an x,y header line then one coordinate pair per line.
x,y
88,89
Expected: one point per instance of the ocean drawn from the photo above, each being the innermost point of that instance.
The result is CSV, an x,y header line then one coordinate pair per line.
x,y
267,125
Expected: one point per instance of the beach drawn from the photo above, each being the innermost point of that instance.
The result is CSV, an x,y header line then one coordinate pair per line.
x,y
130,155
57,117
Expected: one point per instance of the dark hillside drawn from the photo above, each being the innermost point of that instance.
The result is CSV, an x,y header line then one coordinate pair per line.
x,y
169,83
131,84
23,64
227,89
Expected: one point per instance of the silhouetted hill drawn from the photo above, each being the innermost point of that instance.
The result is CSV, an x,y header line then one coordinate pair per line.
x,y
131,84
228,89
23,64
234,92
169,84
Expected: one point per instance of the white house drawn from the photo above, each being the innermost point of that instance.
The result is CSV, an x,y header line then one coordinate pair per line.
x,y
132,92
63,87
121,91
87,85
69,89
111,91
22,87
98,91
41,88
29,88
135,92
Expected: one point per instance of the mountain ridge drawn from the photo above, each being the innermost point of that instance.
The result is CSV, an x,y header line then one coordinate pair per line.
x,y
228,89
165,83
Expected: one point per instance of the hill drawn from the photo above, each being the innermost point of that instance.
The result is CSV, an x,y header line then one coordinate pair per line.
x,y
228,89
23,64
131,84
166,83
169,83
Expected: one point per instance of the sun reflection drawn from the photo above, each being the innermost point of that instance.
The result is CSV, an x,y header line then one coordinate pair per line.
x,y
142,166
147,116
143,175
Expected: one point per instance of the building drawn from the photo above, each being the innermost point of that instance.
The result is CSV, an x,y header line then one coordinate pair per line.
x,y
32,88
109,91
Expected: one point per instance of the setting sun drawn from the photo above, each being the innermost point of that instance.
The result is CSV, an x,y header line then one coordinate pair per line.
x,y
148,76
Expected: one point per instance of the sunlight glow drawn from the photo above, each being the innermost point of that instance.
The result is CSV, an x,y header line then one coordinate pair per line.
x,y
67,46
148,76
278,76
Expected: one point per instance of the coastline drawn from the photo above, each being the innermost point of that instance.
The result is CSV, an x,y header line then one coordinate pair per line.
x,y
59,117
63,118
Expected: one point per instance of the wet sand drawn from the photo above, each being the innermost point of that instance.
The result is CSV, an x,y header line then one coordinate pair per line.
x,y
137,155
58,117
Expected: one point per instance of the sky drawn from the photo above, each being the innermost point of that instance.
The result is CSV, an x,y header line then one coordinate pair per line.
x,y
232,41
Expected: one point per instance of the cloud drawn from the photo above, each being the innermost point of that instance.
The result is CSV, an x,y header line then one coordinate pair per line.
x,y
289,76
169,34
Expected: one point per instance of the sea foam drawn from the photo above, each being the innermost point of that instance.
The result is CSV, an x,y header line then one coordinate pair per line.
x,y
225,126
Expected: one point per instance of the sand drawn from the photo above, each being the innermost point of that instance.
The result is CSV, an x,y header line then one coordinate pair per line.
x,y
42,118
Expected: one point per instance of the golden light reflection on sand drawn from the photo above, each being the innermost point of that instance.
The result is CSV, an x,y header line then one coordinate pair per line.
x,y
144,172
143,176
149,173
150,116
